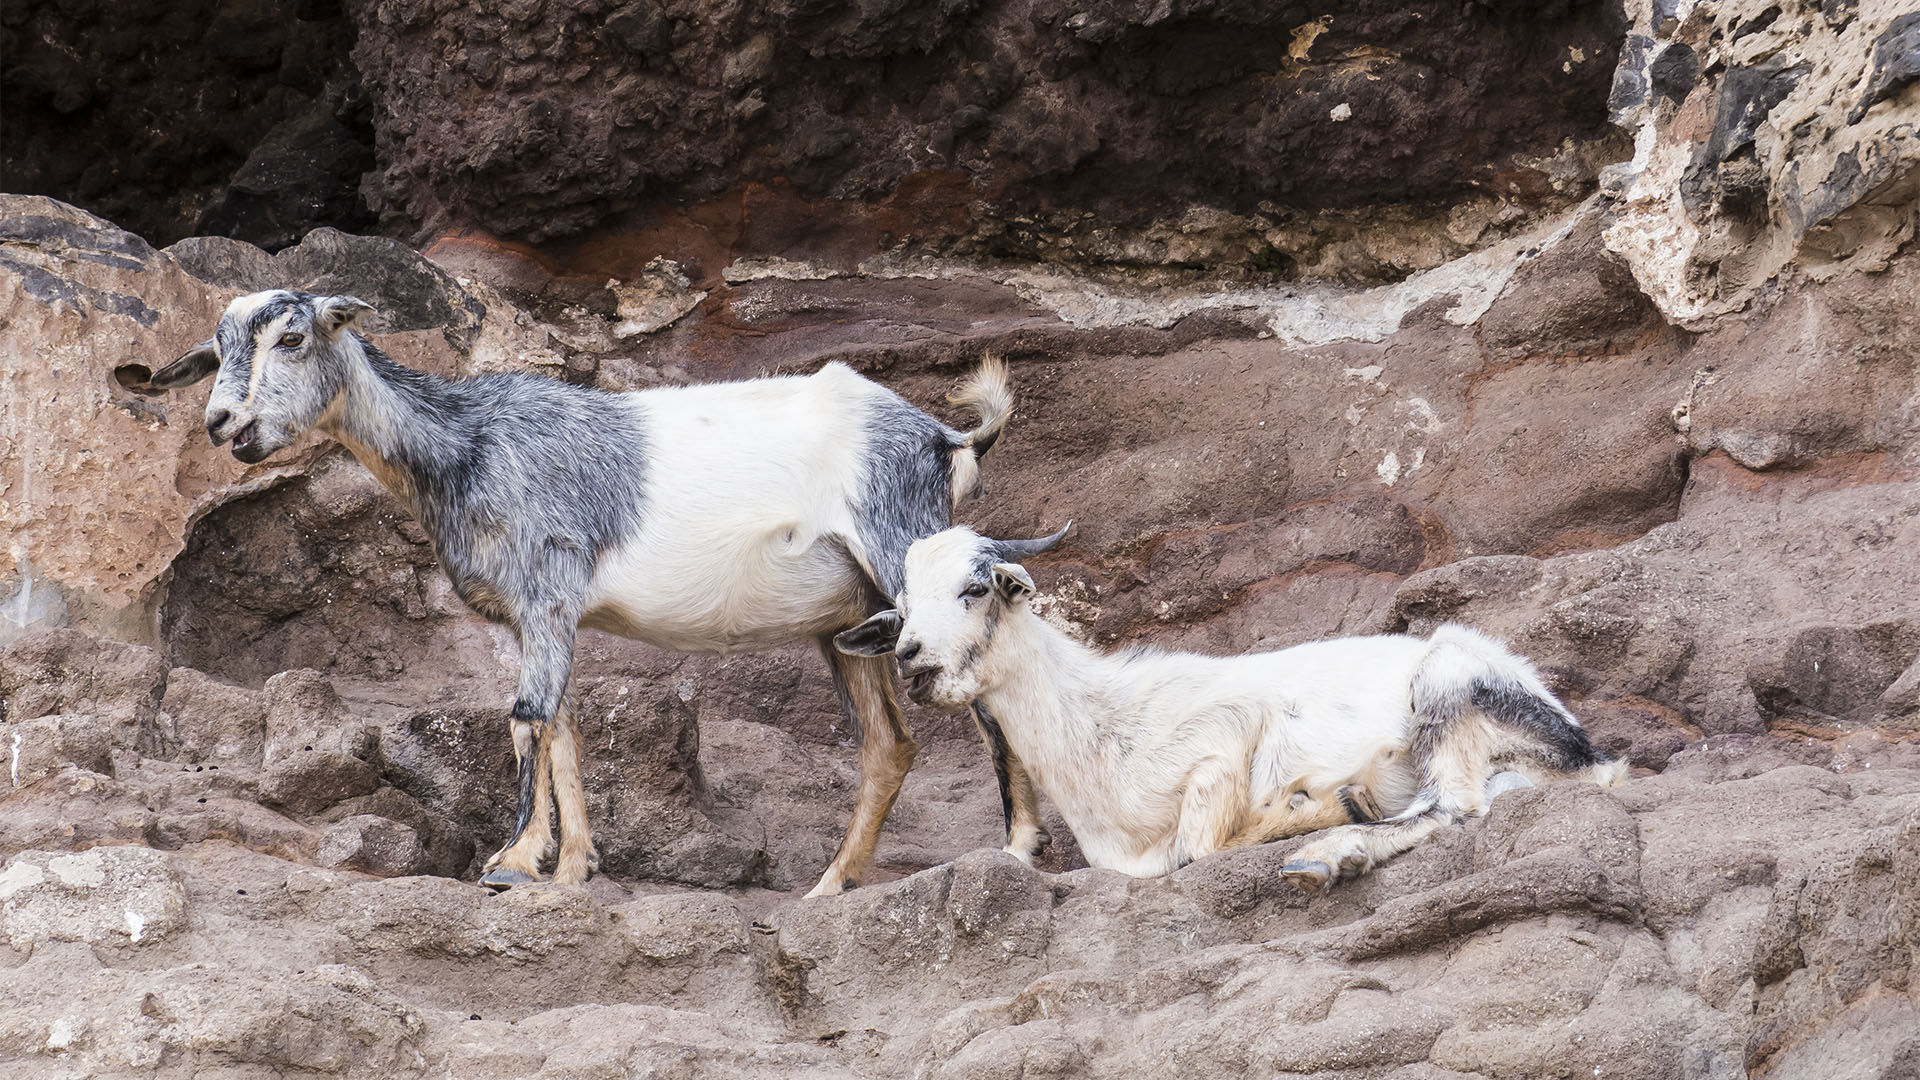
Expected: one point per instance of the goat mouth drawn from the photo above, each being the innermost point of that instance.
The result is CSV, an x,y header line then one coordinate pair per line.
x,y
919,682
244,446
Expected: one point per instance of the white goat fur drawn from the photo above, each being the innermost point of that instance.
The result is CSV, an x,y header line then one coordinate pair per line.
x,y
748,570
1155,759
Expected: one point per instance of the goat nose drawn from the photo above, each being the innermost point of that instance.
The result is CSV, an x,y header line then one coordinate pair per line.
x,y
216,420
907,651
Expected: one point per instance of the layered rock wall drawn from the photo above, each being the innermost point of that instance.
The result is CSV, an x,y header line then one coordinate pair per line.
x,y
1653,422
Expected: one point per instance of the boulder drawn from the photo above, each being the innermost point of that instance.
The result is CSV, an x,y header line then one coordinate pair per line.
x,y
88,696
316,754
204,719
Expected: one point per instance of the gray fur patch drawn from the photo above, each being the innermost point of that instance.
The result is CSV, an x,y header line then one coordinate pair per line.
x,y
908,489
996,740
235,336
523,482
1557,742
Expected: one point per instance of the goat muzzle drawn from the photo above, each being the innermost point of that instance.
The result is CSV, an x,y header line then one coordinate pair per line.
x,y
920,682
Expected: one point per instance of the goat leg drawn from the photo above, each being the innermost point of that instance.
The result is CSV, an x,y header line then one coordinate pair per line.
x,y
546,661
518,862
523,751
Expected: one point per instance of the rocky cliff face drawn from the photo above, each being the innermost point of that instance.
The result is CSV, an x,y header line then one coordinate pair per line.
x,y
1589,328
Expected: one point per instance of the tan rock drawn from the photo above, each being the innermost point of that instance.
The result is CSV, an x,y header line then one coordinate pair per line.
x,y
97,482
104,896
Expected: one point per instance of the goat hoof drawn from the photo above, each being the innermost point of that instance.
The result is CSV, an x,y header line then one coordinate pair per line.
x,y
1359,804
832,886
500,880
1310,876
1502,782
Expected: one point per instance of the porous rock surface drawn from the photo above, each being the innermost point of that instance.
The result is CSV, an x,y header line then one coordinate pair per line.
x,y
1665,439
1073,130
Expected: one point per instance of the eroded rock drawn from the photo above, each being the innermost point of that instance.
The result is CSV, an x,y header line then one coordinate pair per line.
x,y
107,896
1704,539
316,755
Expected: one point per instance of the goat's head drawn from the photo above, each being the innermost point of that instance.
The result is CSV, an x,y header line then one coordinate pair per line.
x,y
959,587
280,361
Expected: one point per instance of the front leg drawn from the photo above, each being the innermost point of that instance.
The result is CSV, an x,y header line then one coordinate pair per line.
x,y
1211,808
519,861
546,662
1027,837
1019,805
578,858
1295,813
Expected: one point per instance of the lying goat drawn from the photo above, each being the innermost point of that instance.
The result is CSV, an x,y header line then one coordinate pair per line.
x,y
707,518
1156,759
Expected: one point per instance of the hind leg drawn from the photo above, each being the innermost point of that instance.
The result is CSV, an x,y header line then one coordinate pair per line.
x,y
1019,804
1298,813
519,861
1534,725
887,750
1352,850
1450,752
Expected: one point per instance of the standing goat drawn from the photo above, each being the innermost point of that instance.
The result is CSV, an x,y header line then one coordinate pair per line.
x,y
1156,759
705,518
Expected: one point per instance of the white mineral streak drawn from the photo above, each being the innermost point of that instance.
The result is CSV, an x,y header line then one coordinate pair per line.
x,y
1307,314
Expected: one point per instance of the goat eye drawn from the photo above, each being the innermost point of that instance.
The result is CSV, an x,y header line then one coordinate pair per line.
x,y
289,341
974,591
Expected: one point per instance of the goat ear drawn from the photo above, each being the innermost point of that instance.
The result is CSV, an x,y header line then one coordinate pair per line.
x,y
875,637
335,314
1012,581
195,364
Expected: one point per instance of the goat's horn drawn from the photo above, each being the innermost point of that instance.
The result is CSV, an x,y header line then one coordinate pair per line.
x,y
1017,550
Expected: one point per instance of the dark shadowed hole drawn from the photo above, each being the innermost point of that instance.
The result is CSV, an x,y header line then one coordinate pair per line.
x,y
135,377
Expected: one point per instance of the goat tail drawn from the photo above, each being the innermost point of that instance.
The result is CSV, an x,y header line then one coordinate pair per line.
x,y
1467,670
988,391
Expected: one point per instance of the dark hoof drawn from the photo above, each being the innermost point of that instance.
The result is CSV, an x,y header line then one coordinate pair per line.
x,y
1359,803
1310,876
502,880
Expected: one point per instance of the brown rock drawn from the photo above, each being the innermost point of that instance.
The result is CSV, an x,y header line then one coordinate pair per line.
x,y
377,845
207,720
109,896
74,809
1022,108
39,747
95,298
316,755
116,688
1578,298
1704,538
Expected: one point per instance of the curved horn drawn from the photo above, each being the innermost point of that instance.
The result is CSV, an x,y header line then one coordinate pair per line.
x,y
1014,551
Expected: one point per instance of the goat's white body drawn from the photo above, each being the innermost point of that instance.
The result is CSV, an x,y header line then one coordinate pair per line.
x,y
1112,739
749,525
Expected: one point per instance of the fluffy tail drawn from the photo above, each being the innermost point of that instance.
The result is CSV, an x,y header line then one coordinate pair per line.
x,y
990,393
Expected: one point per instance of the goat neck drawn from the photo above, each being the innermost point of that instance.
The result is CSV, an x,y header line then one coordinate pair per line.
x,y
1048,690
404,425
